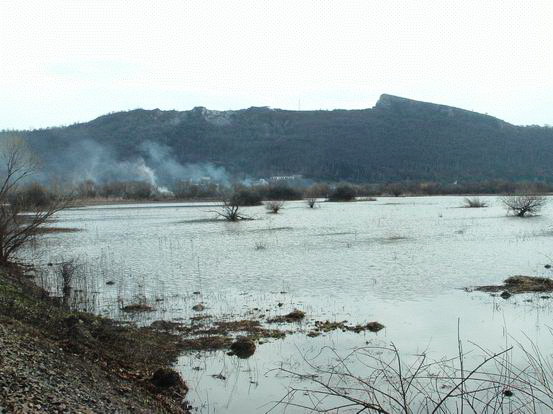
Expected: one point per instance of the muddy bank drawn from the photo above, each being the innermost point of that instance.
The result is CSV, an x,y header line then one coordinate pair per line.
x,y
54,360
56,230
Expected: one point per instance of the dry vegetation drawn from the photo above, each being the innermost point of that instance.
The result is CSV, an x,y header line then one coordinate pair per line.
x,y
328,326
524,204
21,216
83,354
274,206
474,202
295,316
521,284
230,211
379,379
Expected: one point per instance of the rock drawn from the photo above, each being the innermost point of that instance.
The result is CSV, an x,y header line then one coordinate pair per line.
x,y
505,295
198,308
243,347
166,377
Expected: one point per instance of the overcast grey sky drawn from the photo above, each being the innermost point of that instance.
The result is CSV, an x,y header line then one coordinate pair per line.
x,y
68,61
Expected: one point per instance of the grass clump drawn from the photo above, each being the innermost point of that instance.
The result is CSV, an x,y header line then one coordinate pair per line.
x,y
243,347
295,316
521,284
474,202
328,326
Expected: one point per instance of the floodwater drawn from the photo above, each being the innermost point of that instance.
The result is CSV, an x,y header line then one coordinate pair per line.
x,y
401,261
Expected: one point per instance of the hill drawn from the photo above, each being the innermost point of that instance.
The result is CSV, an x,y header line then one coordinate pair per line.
x,y
397,139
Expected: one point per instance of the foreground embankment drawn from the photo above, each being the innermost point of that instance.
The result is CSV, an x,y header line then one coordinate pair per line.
x,y
57,361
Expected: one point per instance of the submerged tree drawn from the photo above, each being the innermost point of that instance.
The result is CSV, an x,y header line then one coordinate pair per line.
x,y
524,204
230,210
19,217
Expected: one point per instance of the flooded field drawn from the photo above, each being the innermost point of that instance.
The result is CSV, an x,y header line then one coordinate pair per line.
x,y
403,262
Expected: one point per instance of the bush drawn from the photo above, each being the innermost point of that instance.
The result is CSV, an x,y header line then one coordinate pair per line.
x,y
246,197
87,189
190,190
32,196
318,190
274,206
474,202
139,190
343,192
524,204
230,211
283,192
396,189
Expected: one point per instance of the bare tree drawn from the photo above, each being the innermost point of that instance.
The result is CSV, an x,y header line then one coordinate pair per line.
x,y
274,206
524,204
230,210
19,220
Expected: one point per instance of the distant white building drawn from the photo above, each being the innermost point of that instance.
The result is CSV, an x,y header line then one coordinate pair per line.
x,y
286,177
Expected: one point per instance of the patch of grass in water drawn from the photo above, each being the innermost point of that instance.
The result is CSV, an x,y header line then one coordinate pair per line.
x,y
520,284
328,326
295,316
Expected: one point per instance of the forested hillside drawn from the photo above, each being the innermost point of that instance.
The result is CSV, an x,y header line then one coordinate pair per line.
x,y
397,139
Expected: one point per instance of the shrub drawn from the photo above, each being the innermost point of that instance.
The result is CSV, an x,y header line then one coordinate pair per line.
x,y
17,228
87,189
474,202
139,190
246,197
274,206
32,196
230,211
318,190
283,192
524,204
343,192
190,190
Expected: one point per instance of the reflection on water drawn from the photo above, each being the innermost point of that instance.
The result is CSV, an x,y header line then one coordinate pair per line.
x,y
399,261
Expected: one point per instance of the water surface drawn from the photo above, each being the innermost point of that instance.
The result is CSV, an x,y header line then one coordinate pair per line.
x,y
401,261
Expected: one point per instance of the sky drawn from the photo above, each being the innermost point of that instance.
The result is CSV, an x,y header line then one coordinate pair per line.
x,y
71,61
